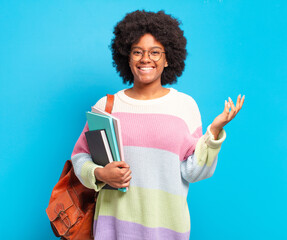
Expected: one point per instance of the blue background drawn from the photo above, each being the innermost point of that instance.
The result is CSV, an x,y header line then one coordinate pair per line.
x,y
55,63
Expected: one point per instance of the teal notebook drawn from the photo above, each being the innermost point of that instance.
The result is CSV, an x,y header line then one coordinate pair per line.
x,y
98,122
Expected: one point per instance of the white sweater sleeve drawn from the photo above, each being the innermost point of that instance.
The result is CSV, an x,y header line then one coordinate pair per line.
x,y
202,163
83,165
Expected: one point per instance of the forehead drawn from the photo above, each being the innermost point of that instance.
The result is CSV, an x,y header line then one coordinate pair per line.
x,y
147,41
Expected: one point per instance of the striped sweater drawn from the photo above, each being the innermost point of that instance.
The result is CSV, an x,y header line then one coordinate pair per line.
x,y
165,149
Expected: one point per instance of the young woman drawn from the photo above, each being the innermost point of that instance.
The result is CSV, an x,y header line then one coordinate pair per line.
x,y
162,135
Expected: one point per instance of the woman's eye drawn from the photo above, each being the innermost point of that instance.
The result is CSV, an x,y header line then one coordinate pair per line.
x,y
137,53
155,53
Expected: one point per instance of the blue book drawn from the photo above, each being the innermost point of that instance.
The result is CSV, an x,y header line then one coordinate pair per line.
x,y
98,122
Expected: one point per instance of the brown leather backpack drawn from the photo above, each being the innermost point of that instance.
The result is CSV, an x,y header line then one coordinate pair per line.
x,y
72,206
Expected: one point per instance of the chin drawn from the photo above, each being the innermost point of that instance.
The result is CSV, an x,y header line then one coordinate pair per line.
x,y
147,80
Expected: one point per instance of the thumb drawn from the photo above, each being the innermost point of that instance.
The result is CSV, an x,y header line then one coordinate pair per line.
x,y
121,164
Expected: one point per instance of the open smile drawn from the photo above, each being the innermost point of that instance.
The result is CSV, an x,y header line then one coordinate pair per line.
x,y
146,69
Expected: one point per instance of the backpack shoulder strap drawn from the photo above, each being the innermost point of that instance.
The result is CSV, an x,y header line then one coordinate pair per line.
x,y
110,103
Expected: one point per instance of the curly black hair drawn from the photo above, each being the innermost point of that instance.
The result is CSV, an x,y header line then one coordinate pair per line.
x,y
165,30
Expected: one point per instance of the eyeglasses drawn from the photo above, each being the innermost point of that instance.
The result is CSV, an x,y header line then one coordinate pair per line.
x,y
154,54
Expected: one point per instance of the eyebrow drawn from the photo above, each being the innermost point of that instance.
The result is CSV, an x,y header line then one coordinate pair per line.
x,y
141,48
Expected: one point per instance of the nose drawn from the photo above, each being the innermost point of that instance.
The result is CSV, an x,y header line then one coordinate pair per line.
x,y
145,57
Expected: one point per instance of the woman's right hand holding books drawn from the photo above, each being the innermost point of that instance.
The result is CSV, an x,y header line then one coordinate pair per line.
x,y
115,174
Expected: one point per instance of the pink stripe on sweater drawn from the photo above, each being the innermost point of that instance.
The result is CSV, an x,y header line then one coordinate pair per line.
x,y
82,145
160,131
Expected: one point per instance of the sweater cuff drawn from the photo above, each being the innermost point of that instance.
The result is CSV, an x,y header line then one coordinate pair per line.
x,y
209,138
97,186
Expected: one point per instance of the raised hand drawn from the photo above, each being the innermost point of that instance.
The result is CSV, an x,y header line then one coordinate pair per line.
x,y
229,112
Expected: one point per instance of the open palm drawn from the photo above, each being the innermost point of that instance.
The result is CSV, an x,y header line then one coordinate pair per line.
x,y
229,112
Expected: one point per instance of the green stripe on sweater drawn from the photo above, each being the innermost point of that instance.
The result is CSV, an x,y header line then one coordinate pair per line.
x,y
142,206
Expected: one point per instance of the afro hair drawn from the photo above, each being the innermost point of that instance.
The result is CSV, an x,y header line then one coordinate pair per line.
x,y
165,30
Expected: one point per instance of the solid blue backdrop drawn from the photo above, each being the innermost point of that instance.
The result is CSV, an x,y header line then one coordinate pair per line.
x,y
55,63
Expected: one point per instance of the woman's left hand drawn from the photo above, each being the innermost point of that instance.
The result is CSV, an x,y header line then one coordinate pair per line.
x,y
226,116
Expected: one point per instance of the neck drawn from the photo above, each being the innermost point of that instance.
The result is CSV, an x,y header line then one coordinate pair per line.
x,y
146,92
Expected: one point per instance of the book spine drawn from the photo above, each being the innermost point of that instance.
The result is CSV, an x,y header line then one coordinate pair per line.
x,y
116,148
107,146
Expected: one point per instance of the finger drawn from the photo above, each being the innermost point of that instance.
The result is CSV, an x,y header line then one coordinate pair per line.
x,y
226,108
124,180
233,109
127,184
231,104
229,109
114,184
238,102
126,174
128,179
242,101
122,185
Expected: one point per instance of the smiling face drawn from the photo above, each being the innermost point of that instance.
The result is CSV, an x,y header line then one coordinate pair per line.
x,y
145,70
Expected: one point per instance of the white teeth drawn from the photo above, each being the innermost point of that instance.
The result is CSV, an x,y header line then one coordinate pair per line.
x,y
146,69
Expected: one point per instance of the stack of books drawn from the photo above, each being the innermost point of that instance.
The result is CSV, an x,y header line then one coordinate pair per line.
x,y
104,139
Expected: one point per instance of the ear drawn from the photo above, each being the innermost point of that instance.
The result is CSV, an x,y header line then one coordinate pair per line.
x,y
166,64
